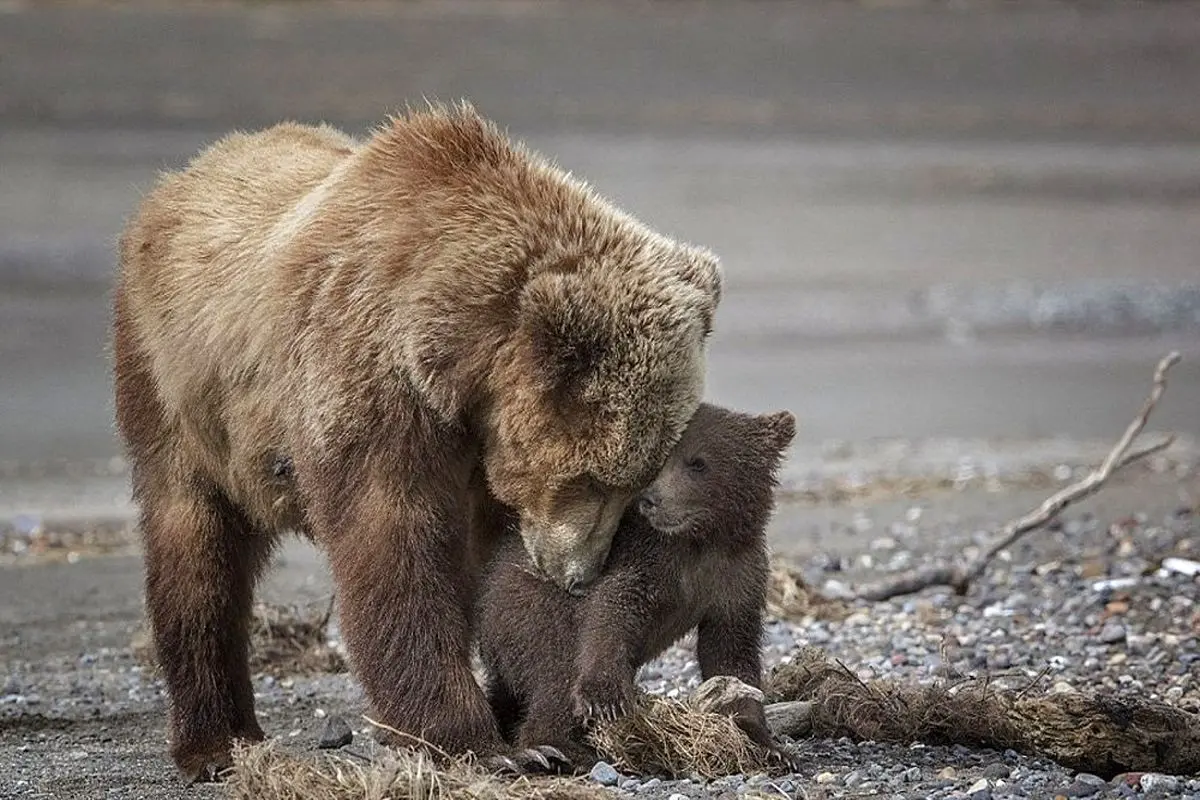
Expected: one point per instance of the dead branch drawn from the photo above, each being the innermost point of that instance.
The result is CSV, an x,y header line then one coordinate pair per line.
x,y
1105,735
961,576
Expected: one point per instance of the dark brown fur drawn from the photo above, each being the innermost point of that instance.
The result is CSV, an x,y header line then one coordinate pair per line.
x,y
693,556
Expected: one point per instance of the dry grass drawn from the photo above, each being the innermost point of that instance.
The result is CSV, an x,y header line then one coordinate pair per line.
x,y
1102,735
284,640
671,739
790,598
265,772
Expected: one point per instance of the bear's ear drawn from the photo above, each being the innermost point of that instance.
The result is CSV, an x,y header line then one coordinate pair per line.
x,y
780,429
566,345
702,270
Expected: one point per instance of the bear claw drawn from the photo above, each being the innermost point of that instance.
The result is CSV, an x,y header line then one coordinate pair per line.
x,y
542,759
602,699
207,772
502,765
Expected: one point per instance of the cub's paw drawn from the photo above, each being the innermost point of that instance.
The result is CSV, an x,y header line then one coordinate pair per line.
x,y
602,698
540,760
783,761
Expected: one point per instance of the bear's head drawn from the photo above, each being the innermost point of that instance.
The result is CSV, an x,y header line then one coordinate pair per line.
x,y
720,477
600,376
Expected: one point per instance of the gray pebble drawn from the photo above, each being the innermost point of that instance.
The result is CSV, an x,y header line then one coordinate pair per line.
x,y
1081,789
996,771
335,733
1112,632
604,774
1094,780
678,796
653,783
912,774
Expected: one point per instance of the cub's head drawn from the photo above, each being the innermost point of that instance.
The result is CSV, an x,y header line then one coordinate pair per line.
x,y
594,386
721,475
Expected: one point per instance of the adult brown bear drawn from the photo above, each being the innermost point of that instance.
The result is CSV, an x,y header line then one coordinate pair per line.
x,y
437,326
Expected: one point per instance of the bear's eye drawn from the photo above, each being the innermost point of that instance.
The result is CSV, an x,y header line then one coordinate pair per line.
x,y
697,465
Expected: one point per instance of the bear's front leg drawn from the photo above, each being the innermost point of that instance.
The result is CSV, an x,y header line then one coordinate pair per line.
x,y
402,588
405,591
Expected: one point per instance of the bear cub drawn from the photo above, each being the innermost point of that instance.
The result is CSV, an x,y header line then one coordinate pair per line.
x,y
690,553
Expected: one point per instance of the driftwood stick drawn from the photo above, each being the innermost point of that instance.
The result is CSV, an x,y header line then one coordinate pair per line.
x,y
1095,733
790,718
959,577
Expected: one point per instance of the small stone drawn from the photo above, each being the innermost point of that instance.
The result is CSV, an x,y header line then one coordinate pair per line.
x,y
979,786
826,777
653,783
678,796
604,774
996,771
1154,781
1081,789
912,774
948,774
1111,633
336,733
853,778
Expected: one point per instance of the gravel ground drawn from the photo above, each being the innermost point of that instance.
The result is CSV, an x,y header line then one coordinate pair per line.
x,y
1087,605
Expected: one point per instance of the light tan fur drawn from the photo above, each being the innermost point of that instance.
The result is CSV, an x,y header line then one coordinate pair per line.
x,y
393,314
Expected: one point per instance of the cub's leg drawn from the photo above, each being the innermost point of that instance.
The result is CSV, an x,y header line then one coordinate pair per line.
x,y
505,707
549,721
731,644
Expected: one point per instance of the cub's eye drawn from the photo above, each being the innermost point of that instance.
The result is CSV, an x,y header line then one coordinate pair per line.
x,y
697,465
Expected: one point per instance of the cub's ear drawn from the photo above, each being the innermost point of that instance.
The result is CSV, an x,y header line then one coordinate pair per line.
x,y
566,342
780,428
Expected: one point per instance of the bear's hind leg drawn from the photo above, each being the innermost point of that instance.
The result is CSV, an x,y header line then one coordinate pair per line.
x,y
202,561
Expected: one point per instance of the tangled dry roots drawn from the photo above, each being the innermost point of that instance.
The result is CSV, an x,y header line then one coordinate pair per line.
x,y
264,772
284,640
669,738
790,598
1102,735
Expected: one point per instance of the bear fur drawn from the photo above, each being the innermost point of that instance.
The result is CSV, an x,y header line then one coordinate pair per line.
x,y
691,554
446,335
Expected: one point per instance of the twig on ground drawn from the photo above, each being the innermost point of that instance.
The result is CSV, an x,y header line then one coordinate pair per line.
x,y
961,576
